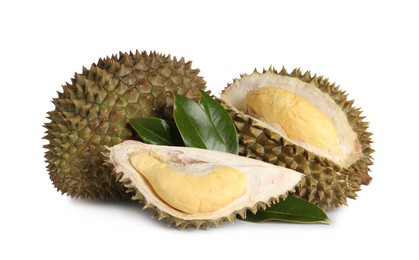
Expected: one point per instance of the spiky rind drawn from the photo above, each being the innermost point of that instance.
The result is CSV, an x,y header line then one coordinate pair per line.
x,y
136,195
325,184
93,110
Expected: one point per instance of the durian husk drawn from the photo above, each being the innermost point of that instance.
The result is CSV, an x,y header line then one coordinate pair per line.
x,y
132,180
93,110
326,184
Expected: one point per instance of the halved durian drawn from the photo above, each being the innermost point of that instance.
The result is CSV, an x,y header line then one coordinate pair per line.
x,y
306,124
191,186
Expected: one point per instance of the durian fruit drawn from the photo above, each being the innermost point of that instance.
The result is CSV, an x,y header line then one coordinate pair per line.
x,y
197,187
92,112
306,124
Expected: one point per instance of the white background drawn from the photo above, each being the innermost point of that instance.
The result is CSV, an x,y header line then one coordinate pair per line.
x,y
369,48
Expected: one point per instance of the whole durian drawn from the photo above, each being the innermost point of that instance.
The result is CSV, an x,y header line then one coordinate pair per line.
x,y
306,124
93,112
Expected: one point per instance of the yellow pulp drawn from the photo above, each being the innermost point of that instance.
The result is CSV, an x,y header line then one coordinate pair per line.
x,y
188,193
300,119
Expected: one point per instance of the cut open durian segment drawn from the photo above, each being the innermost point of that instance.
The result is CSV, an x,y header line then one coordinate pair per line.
x,y
191,186
299,111
334,159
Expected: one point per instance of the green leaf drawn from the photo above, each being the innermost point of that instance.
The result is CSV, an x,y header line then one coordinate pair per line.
x,y
221,122
198,129
156,131
291,209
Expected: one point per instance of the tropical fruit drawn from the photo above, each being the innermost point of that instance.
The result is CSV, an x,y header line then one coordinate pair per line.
x,y
93,110
197,187
306,124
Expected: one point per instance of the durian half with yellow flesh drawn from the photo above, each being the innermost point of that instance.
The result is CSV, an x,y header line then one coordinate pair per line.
x,y
197,187
306,124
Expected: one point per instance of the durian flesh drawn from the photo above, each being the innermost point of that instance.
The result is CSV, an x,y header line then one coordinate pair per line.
x,y
299,119
190,186
304,123
186,191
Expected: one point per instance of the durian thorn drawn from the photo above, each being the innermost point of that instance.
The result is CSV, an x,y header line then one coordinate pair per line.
x,y
283,71
306,77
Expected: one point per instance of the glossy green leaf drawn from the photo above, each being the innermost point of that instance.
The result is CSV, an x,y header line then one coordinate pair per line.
x,y
197,128
291,209
221,122
156,131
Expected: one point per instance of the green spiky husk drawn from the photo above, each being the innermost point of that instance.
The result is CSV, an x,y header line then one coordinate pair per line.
x,y
326,184
93,111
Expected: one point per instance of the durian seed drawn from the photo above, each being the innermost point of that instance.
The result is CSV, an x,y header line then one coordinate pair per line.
x,y
192,194
294,114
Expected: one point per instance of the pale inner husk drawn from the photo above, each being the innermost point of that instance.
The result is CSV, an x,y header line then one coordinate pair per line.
x,y
265,181
347,150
